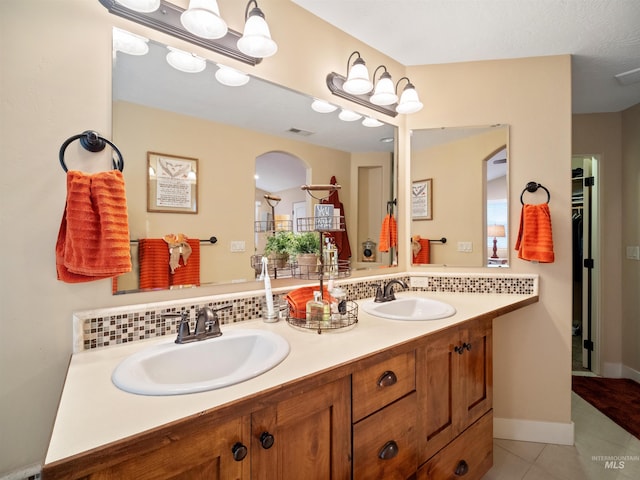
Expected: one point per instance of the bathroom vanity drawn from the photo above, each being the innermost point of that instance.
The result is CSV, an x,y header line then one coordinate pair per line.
x,y
384,399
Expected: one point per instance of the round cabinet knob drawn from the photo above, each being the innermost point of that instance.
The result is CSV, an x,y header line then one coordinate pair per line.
x,y
266,440
239,451
389,451
462,468
387,379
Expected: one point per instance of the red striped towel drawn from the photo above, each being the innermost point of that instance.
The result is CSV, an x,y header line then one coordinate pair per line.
x,y
93,240
535,239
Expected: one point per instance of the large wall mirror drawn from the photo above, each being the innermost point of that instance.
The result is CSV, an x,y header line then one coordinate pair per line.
x,y
165,120
459,194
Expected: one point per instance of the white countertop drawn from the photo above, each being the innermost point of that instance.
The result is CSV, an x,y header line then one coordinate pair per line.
x,y
94,412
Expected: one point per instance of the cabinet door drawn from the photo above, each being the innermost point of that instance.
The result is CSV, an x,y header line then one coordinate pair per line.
x,y
476,371
439,392
305,437
205,455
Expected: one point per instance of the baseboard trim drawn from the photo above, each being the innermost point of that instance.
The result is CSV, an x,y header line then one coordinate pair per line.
x,y
532,431
618,370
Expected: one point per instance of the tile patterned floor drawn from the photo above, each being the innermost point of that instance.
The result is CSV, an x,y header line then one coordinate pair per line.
x,y
597,441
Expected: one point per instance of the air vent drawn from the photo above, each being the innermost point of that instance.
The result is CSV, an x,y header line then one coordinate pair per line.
x,y
297,131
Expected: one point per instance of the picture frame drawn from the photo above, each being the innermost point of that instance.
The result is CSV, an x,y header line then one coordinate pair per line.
x,y
172,183
422,199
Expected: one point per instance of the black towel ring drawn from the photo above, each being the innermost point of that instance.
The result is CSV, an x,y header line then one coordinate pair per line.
x,y
532,187
93,142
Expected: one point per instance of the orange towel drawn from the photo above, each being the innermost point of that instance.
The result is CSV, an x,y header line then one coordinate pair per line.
x,y
424,255
388,234
93,240
535,239
153,256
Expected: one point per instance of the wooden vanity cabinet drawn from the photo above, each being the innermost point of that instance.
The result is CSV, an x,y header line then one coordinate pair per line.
x,y
305,437
454,384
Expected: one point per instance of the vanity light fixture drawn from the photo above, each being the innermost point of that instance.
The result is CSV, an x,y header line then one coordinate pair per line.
x,y
384,92
256,40
357,82
129,43
348,115
187,25
185,61
409,101
230,76
203,19
322,106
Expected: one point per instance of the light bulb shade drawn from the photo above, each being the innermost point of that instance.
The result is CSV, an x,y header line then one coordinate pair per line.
x,y
348,115
145,6
409,101
129,43
256,39
231,77
384,94
371,122
358,82
496,231
202,18
322,106
185,61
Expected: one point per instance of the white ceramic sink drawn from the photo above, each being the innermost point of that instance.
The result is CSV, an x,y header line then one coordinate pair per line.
x,y
409,308
171,369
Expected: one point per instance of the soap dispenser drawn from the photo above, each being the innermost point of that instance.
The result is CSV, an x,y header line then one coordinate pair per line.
x,y
317,309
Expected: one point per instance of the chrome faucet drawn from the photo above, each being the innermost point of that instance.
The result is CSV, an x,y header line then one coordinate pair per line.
x,y
207,325
386,294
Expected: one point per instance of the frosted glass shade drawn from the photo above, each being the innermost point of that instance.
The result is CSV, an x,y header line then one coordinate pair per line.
x,y
129,43
145,6
409,101
322,106
256,39
384,94
371,122
202,18
348,115
185,61
358,82
231,77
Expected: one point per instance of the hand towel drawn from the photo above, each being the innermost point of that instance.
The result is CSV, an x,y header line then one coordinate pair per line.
x,y
179,248
93,240
423,255
388,234
535,239
188,273
153,256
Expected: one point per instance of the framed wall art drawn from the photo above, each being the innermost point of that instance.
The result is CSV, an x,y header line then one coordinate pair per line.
x,y
422,199
172,183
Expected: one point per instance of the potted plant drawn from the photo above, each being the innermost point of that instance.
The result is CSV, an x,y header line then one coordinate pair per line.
x,y
306,249
278,248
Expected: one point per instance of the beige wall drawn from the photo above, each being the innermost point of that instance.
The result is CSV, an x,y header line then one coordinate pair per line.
x,y
631,236
532,347
57,84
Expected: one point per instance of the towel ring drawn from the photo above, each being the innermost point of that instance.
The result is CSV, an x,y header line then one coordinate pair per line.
x,y
532,187
92,142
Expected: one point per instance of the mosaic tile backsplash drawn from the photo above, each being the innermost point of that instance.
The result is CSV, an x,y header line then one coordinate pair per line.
x,y
113,326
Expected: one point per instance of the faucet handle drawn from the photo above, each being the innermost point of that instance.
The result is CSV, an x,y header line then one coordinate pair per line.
x,y
183,325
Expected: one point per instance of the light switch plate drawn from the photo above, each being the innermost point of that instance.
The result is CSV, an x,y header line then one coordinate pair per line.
x,y
237,246
465,247
633,252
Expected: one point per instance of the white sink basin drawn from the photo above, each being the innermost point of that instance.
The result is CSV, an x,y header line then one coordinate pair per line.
x,y
172,369
409,308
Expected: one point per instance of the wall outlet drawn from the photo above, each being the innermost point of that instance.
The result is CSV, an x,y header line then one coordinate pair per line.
x,y
633,252
465,247
237,246
419,282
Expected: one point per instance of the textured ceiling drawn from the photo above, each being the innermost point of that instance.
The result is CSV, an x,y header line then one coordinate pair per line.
x,y
603,36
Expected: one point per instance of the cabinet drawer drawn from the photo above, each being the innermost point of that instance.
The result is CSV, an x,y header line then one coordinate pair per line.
x,y
385,443
382,383
469,456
